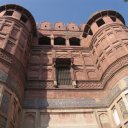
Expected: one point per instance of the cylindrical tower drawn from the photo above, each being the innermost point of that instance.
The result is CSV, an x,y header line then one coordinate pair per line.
x,y
17,28
108,38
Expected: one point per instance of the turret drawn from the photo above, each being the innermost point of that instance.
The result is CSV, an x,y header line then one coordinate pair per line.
x,y
108,37
17,29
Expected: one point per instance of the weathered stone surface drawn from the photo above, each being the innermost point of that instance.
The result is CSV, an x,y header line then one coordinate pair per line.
x,y
94,56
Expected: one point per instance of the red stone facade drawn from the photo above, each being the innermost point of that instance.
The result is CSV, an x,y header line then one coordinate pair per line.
x,y
63,76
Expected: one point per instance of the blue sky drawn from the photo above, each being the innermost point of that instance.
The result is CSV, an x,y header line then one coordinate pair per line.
x,y
77,11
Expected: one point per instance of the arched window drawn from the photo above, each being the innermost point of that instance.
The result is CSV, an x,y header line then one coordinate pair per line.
x,y
74,41
59,41
44,40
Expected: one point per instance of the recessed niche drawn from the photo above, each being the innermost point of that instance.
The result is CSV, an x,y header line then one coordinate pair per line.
x,y
59,41
74,41
44,40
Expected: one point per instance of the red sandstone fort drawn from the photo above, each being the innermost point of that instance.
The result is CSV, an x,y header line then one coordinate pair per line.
x,y
63,76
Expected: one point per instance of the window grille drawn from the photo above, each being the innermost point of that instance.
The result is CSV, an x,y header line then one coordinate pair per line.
x,y
63,74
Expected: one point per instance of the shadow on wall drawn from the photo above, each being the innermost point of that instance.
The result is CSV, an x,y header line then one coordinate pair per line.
x,y
30,120
35,114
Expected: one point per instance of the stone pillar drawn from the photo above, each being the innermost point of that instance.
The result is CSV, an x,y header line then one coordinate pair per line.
x,y
67,41
52,40
72,74
54,73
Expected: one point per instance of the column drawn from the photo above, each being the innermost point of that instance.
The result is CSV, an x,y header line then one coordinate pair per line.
x,y
54,73
52,40
72,74
67,41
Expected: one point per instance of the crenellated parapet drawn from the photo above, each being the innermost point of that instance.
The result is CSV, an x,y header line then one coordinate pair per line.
x,y
60,26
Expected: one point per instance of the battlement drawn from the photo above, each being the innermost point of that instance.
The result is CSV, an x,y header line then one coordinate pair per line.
x,y
19,13
60,26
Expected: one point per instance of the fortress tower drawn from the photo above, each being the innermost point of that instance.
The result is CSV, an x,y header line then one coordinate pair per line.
x,y
63,76
17,29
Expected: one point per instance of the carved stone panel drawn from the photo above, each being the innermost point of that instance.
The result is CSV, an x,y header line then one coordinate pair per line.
x,y
123,109
5,102
29,121
6,28
80,75
47,59
92,74
15,33
125,42
33,74
14,111
67,119
47,74
88,60
118,31
78,60
104,42
104,121
3,121
1,42
111,36
35,59
23,40
9,46
62,56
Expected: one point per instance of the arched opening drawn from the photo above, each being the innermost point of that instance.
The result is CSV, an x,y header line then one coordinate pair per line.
x,y
44,40
59,41
100,22
113,18
74,41
90,32
8,13
24,18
